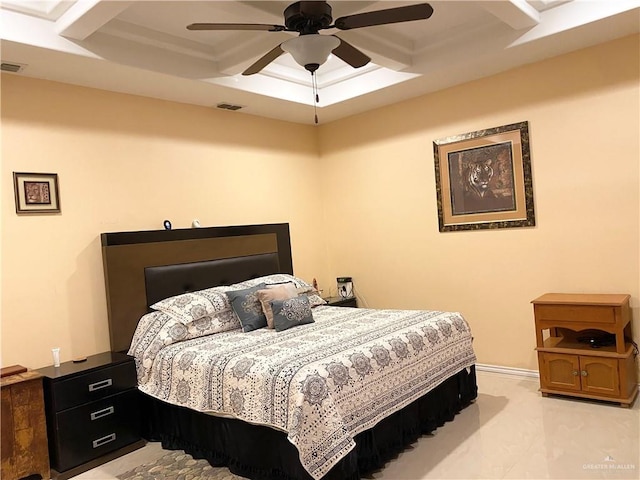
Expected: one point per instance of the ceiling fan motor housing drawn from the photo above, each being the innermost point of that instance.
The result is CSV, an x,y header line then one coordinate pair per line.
x,y
307,17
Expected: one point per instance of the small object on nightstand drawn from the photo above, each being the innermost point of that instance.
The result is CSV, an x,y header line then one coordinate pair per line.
x,y
12,370
345,287
79,359
56,356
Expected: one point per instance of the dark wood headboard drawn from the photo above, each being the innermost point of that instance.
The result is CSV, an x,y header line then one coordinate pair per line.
x,y
125,256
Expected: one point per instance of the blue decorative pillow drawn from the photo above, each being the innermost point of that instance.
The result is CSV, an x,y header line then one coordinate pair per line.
x,y
246,305
291,313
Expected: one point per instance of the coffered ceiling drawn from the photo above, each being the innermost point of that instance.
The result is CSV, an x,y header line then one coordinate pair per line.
x,y
144,48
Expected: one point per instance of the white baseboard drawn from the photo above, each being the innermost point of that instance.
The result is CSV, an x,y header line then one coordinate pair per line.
x,y
516,372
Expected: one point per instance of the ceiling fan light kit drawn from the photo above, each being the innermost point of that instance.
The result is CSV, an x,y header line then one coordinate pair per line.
x,y
311,51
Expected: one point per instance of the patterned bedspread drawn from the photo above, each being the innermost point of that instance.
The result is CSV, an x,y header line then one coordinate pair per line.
x,y
321,383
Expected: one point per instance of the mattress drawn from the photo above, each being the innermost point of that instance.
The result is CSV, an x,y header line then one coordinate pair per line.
x,y
321,383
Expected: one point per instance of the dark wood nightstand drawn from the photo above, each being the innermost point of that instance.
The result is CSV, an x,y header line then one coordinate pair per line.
x,y
92,410
342,302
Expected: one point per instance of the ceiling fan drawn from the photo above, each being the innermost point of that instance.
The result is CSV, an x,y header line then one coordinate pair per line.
x,y
310,49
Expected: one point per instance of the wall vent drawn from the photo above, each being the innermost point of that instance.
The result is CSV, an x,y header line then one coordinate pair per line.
x,y
12,67
229,106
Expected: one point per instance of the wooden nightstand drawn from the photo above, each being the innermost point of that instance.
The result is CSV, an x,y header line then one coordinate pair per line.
x,y
92,410
24,432
568,364
342,302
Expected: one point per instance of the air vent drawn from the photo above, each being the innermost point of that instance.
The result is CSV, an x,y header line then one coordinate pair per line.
x,y
228,106
12,67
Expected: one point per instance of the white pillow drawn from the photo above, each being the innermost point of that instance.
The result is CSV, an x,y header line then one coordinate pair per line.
x,y
192,306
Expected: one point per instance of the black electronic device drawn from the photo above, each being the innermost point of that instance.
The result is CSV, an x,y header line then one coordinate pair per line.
x,y
345,287
598,340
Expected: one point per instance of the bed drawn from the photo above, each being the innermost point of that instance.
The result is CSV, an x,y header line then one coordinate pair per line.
x,y
331,399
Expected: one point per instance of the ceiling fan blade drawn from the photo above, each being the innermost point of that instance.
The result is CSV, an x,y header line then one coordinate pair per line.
x,y
350,54
236,26
263,61
382,17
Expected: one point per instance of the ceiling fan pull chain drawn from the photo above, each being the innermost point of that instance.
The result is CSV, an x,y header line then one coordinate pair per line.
x,y
315,87
316,97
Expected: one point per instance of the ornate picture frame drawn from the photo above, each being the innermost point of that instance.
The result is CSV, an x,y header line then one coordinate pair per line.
x,y
36,193
483,179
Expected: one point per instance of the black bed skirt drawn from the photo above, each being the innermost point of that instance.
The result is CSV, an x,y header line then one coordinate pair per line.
x,y
262,453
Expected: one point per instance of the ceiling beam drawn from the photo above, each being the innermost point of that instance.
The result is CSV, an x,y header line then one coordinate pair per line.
x,y
518,14
572,15
84,18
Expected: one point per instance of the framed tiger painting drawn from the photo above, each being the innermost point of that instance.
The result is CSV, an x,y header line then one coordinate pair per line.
x,y
483,179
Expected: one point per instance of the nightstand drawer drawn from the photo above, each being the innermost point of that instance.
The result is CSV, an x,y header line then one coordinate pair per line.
x,y
93,386
94,429
575,313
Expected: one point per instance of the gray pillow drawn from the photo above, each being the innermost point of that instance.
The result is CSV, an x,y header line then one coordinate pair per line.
x,y
247,307
291,313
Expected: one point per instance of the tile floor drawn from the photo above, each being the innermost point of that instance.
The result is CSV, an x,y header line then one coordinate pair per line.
x,y
510,432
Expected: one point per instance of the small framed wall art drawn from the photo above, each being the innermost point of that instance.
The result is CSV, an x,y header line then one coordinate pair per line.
x,y
36,193
483,179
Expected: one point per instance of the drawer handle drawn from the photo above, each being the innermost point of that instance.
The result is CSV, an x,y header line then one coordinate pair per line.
x,y
574,373
584,373
102,413
102,384
104,440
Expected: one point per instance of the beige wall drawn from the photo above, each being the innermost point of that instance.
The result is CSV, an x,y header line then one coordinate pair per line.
x,y
127,163
359,194
583,111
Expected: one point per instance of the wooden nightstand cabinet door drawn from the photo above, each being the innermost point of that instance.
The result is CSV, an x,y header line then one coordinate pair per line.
x,y
559,371
600,375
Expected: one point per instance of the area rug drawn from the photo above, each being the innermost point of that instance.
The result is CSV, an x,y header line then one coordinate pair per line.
x,y
178,465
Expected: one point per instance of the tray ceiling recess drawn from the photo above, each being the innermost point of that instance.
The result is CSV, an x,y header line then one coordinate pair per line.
x,y
144,48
